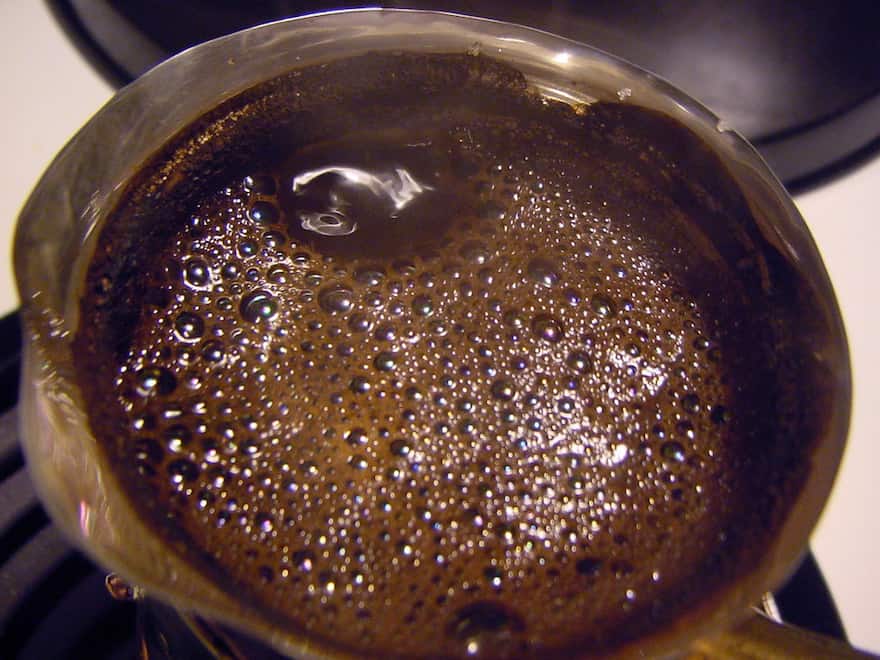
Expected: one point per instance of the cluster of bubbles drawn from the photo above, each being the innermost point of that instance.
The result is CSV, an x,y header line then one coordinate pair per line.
x,y
517,416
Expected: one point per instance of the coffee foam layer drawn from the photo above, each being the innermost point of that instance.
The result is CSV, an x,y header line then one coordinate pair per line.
x,y
436,389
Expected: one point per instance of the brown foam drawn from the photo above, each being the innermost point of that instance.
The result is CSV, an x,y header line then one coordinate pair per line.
x,y
509,417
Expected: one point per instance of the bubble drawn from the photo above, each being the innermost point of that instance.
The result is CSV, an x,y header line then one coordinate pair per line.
x,y
404,266
565,405
492,211
690,403
359,323
547,327
213,351
603,305
685,428
247,248
385,332
182,470
572,296
673,451
422,305
467,426
514,319
358,462
328,223
475,252
147,450
154,380
579,362
263,212
484,624
369,276
519,363
374,299
359,385
250,447
356,437
336,299
543,272
264,522
189,326
230,271
261,184
400,447
278,274
701,343
258,305
177,437
313,279
502,389
385,361
274,239
719,414
304,560
196,272
438,328
493,575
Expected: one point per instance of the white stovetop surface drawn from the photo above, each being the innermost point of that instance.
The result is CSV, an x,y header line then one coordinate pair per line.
x,y
50,91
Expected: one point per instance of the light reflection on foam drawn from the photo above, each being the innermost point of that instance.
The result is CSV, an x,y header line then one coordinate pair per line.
x,y
399,188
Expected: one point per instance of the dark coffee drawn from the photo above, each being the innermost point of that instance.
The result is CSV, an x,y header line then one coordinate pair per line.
x,y
419,364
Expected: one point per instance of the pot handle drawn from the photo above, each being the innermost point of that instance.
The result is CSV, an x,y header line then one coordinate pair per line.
x,y
760,638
